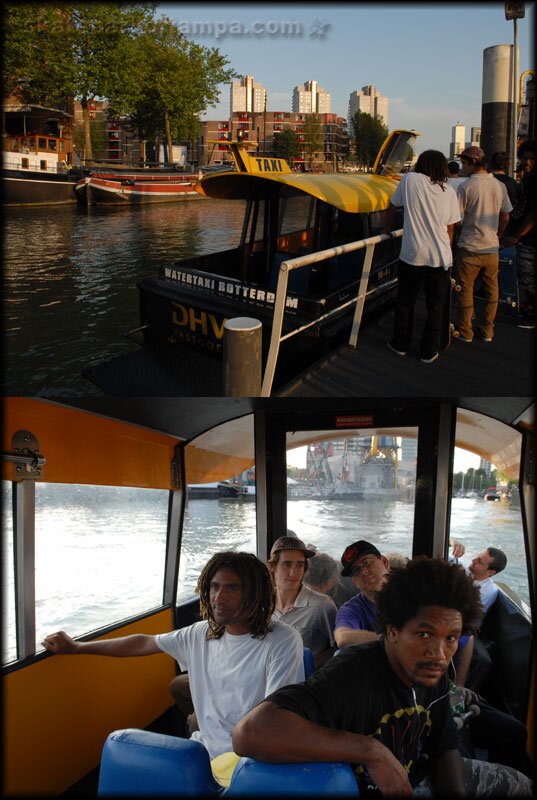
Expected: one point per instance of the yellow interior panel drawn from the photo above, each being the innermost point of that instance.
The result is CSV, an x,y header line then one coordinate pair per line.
x,y
206,466
80,447
59,711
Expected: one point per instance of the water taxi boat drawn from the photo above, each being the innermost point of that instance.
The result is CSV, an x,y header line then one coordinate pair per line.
x,y
293,269
112,187
76,457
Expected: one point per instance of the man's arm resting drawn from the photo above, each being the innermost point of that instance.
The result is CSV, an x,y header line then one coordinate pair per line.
x,y
345,636
259,735
447,774
138,644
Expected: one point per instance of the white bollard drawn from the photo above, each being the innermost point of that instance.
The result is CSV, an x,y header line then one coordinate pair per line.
x,y
242,357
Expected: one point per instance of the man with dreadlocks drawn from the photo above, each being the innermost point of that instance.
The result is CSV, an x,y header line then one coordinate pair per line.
x,y
430,211
235,657
384,706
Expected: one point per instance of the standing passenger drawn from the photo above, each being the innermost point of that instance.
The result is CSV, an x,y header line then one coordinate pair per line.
x,y
454,177
485,206
499,164
522,233
430,213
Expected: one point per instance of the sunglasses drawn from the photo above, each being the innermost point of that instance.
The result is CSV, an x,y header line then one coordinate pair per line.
x,y
364,565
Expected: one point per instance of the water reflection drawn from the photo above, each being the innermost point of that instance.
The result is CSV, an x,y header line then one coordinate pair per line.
x,y
70,278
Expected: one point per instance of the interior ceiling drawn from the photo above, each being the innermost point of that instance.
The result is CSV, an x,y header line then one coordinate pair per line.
x,y
189,417
485,425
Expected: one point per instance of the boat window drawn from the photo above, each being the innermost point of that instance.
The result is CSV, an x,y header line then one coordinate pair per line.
x,y
215,522
9,650
42,144
99,556
42,165
344,488
25,163
297,214
485,512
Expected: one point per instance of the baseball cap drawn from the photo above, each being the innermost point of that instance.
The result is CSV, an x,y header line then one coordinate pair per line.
x,y
291,543
475,153
354,551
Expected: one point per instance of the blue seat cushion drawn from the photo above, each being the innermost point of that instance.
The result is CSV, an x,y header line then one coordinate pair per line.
x,y
137,763
256,778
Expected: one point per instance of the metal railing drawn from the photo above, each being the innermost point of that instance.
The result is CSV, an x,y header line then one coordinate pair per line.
x,y
281,294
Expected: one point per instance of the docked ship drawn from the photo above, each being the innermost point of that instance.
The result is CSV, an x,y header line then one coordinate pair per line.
x,y
344,475
37,160
115,187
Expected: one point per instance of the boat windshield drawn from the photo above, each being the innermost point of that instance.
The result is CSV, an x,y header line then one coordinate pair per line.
x,y
396,155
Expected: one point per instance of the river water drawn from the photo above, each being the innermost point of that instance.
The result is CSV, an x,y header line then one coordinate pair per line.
x,y
94,569
70,278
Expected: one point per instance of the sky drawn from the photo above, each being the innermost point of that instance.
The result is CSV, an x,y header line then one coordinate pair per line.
x,y
464,460
426,58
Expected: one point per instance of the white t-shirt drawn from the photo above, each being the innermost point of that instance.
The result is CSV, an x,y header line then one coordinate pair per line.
x,y
230,675
456,182
428,209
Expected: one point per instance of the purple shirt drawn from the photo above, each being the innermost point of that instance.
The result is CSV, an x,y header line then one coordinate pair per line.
x,y
358,613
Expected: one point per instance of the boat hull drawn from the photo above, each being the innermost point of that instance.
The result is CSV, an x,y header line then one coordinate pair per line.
x,y
125,189
190,306
37,189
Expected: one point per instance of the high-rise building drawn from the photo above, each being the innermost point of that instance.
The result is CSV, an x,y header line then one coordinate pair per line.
x,y
475,137
247,95
310,98
369,101
457,144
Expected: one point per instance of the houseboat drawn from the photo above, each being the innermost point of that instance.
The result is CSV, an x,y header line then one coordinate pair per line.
x,y
111,187
37,160
95,543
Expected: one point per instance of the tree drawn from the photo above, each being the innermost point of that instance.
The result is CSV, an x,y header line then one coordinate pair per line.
x,y
286,145
78,50
369,134
179,79
313,136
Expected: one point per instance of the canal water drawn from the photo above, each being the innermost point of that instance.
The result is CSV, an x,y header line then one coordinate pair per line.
x,y
82,544
70,275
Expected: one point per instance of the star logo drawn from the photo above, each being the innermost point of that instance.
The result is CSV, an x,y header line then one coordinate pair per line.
x,y
319,27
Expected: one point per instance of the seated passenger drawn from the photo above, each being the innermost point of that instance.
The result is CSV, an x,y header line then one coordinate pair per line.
x,y
323,576
482,568
384,706
313,614
356,620
237,646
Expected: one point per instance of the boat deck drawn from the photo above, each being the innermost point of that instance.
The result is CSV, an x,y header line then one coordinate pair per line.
x,y
502,367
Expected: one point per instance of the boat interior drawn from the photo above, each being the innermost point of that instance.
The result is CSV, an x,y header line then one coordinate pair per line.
x,y
60,711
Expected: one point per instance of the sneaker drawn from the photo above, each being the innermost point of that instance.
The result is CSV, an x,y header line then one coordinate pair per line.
x,y
430,359
481,335
527,322
458,335
395,350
